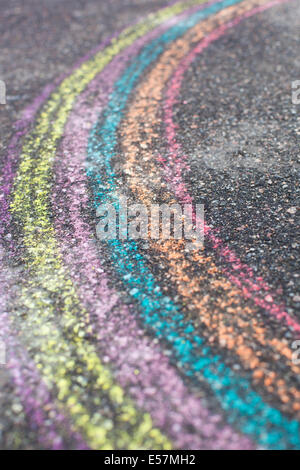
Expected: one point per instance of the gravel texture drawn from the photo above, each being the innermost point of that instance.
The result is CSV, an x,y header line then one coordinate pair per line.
x,y
144,343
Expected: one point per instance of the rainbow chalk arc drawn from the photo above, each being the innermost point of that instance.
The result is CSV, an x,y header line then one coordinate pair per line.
x,y
99,362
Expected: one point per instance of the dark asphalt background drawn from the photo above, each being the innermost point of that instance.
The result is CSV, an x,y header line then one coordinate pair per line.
x,y
247,114
250,88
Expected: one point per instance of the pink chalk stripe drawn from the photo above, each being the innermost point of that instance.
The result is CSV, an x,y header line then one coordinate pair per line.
x,y
241,274
122,342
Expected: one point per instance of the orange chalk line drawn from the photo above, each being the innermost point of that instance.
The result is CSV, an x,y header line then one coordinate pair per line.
x,y
137,134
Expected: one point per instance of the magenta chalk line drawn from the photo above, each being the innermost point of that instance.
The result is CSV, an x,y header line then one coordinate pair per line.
x,y
21,376
240,272
126,347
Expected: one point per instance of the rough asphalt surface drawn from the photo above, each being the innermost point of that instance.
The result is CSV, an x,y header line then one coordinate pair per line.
x,y
145,344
